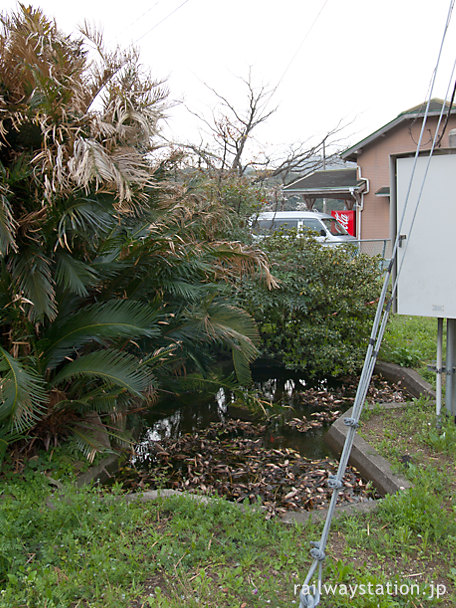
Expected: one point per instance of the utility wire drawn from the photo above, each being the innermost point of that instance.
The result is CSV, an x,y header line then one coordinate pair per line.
x,y
450,106
162,20
296,53
142,15
301,44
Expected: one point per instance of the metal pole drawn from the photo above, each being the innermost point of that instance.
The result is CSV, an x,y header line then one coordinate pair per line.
x,y
438,365
449,365
452,410
325,209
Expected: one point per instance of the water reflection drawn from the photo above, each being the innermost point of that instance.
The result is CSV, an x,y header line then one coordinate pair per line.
x,y
189,413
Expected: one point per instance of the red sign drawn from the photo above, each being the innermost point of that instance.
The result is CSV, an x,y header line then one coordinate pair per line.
x,y
347,219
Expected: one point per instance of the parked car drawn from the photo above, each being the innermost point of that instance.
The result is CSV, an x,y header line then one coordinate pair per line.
x,y
328,230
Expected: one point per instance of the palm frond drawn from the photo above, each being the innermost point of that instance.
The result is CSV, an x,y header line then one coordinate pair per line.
x,y
241,367
22,394
114,319
84,216
111,367
237,328
222,323
238,259
93,166
183,289
74,275
31,273
226,325
7,436
8,225
100,399
87,441
231,322
160,356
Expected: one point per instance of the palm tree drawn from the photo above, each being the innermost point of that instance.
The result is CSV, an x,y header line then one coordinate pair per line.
x,y
110,275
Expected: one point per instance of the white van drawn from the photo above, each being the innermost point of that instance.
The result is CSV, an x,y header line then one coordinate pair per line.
x,y
329,230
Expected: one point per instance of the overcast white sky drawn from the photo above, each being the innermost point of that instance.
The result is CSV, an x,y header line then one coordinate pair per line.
x,y
359,61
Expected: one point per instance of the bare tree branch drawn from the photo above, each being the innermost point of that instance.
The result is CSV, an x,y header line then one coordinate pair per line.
x,y
232,130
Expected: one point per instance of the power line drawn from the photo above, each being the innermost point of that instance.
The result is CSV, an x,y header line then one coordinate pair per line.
x,y
162,20
142,15
301,44
450,106
295,54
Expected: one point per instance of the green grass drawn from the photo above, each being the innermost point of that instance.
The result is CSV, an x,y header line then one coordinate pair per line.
x,y
411,342
83,547
415,530
69,547
64,546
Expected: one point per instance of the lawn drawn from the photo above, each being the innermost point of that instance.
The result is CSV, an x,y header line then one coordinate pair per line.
x,y
411,342
64,546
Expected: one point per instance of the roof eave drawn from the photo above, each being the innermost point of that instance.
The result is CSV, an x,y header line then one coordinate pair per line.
x,y
296,181
328,190
352,152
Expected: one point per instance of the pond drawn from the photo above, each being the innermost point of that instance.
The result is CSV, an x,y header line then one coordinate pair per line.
x,y
206,444
301,413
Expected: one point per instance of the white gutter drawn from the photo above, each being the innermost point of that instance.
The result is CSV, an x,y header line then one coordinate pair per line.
x,y
360,207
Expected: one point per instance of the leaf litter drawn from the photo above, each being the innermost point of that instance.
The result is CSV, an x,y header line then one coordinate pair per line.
x,y
231,459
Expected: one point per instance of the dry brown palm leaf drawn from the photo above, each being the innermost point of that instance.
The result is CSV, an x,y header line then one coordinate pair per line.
x,y
28,40
239,259
91,166
79,144
31,223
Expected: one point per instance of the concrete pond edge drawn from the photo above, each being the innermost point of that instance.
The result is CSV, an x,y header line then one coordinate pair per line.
x,y
410,379
364,457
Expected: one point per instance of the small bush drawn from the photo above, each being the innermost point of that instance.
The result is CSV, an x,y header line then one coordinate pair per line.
x,y
319,319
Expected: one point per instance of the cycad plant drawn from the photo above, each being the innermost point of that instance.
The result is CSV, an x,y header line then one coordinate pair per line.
x,y
110,275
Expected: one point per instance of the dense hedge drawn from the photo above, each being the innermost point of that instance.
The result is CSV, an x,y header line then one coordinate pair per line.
x,y
319,319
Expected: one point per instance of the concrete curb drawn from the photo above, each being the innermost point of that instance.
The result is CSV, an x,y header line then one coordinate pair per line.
x,y
409,378
166,493
366,459
100,473
290,517
318,515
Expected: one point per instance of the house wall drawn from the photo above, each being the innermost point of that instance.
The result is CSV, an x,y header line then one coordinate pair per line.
x,y
373,163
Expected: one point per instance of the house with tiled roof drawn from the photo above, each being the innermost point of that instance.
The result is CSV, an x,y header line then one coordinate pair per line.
x,y
367,187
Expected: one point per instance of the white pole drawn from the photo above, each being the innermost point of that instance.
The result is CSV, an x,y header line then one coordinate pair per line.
x,y
452,410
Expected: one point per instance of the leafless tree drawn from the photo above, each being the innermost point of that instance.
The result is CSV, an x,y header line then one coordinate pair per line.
x,y
232,132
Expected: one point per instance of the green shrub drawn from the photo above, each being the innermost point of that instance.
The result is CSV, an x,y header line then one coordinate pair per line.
x,y
319,318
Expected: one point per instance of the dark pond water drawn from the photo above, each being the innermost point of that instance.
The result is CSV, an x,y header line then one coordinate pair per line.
x,y
293,397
